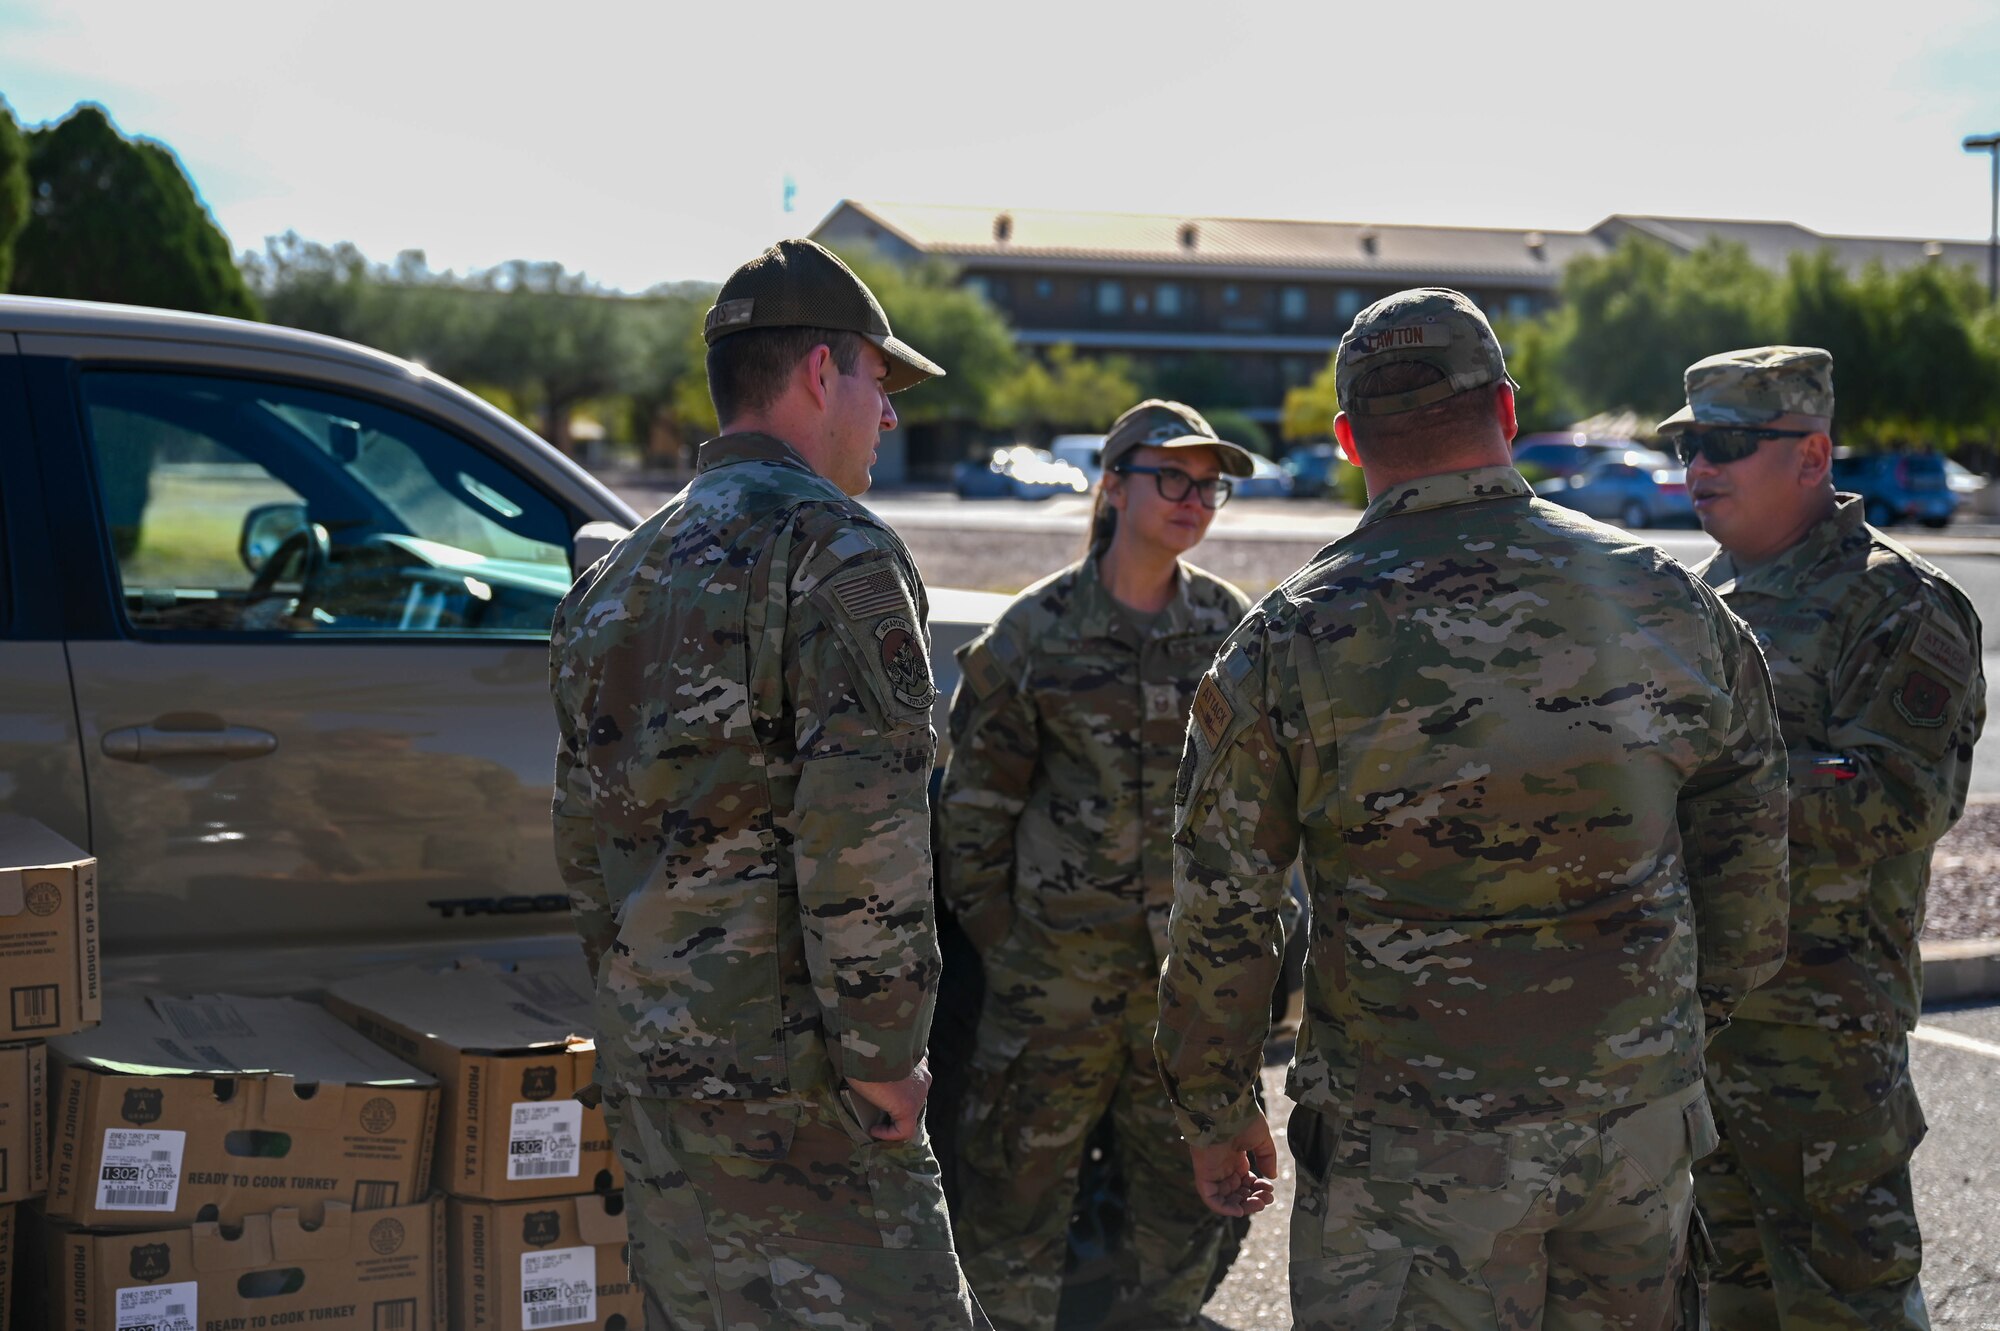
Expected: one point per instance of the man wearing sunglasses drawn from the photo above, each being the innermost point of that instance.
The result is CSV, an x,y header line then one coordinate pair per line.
x,y
1876,658
1531,769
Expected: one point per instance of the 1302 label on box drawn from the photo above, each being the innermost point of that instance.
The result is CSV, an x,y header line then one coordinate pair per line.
x,y
141,1170
545,1140
158,1308
559,1287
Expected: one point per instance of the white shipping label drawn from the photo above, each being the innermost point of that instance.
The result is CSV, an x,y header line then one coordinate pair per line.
x,y
545,1141
559,1287
158,1308
141,1170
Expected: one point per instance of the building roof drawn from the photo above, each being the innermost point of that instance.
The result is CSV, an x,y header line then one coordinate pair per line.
x,y
1044,237
1004,237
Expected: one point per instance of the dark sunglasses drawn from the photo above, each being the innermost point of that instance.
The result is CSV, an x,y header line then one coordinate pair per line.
x,y
1725,445
1174,484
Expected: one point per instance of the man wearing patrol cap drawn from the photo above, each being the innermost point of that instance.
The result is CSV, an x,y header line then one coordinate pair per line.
x,y
743,692
1876,657
1532,772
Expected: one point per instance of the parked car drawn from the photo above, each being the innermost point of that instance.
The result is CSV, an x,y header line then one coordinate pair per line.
x,y
274,643
1962,480
1545,457
1636,486
1899,487
1267,480
1312,468
1018,471
1082,452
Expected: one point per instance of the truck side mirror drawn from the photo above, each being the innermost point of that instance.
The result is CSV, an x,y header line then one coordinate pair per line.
x,y
592,542
265,529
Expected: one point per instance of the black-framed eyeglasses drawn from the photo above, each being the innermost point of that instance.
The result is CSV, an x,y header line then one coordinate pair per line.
x,y
1722,444
1174,484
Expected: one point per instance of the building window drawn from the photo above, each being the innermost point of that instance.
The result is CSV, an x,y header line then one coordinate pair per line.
x,y
1294,371
1520,306
1110,297
1347,304
978,287
1292,304
999,290
1167,300
1230,295
1044,288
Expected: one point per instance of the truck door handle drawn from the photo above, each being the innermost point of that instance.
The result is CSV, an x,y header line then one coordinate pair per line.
x,y
145,744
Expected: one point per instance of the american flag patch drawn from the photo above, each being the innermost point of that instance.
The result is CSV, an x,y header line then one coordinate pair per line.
x,y
870,594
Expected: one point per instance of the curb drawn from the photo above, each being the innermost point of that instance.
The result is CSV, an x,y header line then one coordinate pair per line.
x,y
1961,970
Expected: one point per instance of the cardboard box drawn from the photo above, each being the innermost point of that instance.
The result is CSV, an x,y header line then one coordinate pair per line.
x,y
318,1267
216,1108
11,1219
509,1045
24,1123
554,1261
48,934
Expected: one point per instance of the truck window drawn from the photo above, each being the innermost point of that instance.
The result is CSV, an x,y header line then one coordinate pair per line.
x,y
241,505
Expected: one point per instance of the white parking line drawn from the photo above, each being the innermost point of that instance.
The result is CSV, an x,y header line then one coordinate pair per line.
x,y
1953,1040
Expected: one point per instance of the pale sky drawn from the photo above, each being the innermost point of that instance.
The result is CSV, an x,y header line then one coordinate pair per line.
x,y
649,142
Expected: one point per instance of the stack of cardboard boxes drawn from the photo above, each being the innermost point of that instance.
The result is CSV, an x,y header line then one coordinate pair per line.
x,y
49,986
536,1219
224,1162
409,1156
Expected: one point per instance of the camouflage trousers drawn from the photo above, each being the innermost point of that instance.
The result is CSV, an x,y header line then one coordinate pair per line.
x,y
1565,1225
753,1214
1058,1049
1808,1198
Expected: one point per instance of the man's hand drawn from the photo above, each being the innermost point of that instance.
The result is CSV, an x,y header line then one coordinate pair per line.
x,y
1235,1177
902,1101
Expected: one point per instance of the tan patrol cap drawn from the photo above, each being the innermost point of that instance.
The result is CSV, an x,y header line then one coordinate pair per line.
x,y
801,284
1158,423
1433,326
1755,386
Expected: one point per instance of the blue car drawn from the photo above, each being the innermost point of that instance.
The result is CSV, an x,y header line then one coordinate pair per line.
x,y
1636,486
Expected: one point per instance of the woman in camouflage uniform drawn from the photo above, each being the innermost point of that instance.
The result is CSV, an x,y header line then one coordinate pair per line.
x,y
1067,731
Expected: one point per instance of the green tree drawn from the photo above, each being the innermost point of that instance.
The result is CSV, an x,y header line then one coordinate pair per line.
x,y
13,188
1231,424
956,327
557,336
1065,392
1310,408
116,219
1911,361
1632,320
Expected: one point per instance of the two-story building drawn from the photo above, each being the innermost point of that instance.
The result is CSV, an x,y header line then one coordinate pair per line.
x,y
1259,305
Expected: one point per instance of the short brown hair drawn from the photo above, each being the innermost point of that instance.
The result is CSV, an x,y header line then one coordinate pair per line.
x,y
747,370
1417,435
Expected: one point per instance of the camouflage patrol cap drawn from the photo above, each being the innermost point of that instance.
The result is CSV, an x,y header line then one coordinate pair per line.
x,y
1157,423
1756,386
1433,326
800,284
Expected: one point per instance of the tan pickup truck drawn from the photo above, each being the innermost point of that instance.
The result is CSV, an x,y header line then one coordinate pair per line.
x,y
273,643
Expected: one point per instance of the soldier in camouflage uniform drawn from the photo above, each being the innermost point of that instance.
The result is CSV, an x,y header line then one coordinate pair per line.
x,y
1876,659
1066,733
1533,770
744,697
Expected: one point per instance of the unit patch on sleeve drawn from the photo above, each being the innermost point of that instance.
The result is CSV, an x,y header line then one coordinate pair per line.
x,y
1922,700
903,662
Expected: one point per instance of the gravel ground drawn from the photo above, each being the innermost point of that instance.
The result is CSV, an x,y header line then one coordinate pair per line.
x,y
1965,876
